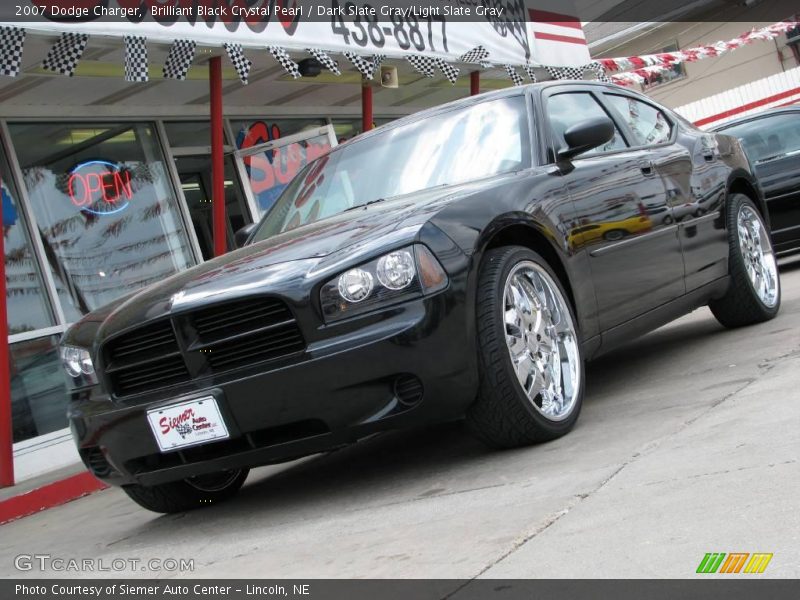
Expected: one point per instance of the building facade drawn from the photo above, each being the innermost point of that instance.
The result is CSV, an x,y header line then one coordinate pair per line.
x,y
106,188
765,66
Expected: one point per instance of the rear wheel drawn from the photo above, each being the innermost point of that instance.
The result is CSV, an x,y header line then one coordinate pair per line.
x,y
754,294
188,494
531,366
612,235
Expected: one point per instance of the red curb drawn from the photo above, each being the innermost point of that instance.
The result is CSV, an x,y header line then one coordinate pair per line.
x,y
48,496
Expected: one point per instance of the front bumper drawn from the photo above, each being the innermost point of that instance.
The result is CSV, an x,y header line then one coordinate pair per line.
x,y
344,390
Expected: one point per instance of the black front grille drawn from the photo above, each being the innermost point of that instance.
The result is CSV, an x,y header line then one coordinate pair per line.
x,y
158,338
145,359
238,334
216,339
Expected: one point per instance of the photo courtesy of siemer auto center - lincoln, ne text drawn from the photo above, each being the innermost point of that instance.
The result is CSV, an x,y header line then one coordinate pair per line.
x,y
420,299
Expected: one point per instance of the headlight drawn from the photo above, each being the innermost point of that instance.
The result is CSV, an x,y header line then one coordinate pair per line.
x,y
400,275
355,285
396,270
78,365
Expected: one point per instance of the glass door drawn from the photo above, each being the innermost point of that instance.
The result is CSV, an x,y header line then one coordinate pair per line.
x,y
194,172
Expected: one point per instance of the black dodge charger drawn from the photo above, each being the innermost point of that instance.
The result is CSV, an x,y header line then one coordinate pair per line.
x,y
466,260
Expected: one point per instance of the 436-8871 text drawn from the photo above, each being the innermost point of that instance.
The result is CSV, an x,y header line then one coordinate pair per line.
x,y
423,32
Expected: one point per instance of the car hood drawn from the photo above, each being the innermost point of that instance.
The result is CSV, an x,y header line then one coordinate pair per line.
x,y
279,263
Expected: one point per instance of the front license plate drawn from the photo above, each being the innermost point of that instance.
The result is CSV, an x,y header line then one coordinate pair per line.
x,y
187,424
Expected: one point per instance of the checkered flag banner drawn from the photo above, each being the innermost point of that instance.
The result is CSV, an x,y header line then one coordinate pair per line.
x,y
599,70
136,59
180,58
366,67
566,72
282,56
378,59
65,53
240,62
422,64
476,55
12,39
325,60
448,70
531,73
572,72
512,72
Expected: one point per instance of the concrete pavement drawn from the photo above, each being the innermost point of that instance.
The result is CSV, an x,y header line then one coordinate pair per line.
x,y
688,443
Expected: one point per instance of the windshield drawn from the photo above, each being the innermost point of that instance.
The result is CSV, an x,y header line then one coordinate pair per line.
x,y
769,138
453,147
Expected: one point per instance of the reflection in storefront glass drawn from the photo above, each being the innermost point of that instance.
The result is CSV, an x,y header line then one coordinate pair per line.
x,y
252,132
270,171
106,213
38,389
27,306
346,129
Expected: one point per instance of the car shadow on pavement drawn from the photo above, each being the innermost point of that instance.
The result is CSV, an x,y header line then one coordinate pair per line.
x,y
789,264
644,356
324,484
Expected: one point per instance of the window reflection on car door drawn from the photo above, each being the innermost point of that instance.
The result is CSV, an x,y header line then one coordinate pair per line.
x,y
620,204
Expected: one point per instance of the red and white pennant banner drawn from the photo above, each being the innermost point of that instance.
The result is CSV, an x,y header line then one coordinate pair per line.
x,y
640,69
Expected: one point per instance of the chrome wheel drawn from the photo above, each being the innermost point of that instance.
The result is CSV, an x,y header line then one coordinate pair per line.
x,y
214,482
759,259
542,341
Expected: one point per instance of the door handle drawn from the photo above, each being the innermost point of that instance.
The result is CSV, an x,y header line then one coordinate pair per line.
x,y
647,168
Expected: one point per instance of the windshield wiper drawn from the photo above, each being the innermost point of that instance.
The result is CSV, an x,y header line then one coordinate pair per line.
x,y
365,204
396,196
773,157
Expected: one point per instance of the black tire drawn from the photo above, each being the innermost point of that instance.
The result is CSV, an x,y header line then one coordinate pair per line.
x,y
612,235
188,494
503,416
741,306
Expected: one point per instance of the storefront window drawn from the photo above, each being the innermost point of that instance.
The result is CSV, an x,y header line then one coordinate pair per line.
x,y
105,209
270,171
252,132
349,128
673,73
27,303
38,390
181,134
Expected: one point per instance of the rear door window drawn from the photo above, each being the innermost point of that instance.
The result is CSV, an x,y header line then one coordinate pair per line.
x,y
648,125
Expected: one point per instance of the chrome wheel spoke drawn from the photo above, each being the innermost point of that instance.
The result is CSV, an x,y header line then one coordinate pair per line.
x,y
526,370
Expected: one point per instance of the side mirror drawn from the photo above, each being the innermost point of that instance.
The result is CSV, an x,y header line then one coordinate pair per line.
x,y
241,236
585,136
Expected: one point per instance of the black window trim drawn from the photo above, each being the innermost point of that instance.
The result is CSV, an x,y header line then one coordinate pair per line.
x,y
594,92
673,125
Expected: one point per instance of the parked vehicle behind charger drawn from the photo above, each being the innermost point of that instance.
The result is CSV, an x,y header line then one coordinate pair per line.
x,y
771,140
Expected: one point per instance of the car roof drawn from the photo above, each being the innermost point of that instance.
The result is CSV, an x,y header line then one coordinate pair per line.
x,y
765,114
494,95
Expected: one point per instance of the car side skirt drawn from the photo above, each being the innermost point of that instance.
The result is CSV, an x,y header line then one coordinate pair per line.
x,y
625,332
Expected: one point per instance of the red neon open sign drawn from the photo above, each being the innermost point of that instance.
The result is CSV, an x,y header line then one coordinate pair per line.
x,y
100,187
